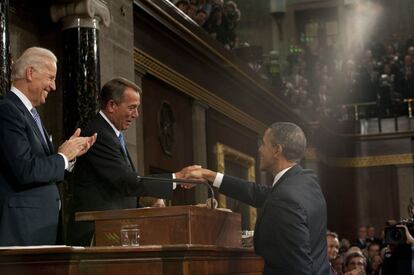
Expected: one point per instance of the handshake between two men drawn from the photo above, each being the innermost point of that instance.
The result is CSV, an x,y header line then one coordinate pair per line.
x,y
195,173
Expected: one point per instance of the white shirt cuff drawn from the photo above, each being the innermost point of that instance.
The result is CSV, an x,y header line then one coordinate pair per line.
x,y
66,160
217,181
174,183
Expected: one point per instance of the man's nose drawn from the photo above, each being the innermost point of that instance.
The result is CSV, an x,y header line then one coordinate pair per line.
x,y
53,85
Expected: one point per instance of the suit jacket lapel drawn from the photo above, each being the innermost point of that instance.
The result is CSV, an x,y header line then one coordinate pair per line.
x,y
295,169
49,142
130,160
19,104
104,124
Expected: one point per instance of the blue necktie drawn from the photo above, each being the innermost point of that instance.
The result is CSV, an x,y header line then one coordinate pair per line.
x,y
122,141
36,117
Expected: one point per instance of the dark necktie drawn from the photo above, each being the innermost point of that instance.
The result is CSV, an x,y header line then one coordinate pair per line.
x,y
36,117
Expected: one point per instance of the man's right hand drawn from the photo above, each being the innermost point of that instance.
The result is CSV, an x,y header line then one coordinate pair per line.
x,y
76,145
201,173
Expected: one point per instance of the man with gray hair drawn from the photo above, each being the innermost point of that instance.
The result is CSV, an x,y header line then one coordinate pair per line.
x,y
105,178
29,167
290,230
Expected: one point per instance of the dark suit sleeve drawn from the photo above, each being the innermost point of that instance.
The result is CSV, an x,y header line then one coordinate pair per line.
x,y
23,154
110,168
288,229
248,192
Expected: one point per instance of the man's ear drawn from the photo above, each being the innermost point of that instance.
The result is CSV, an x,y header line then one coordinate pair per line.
x,y
278,149
110,106
29,73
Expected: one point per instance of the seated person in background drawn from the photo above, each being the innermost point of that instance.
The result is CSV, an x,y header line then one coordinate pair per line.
x,y
371,236
375,265
361,240
333,245
332,248
373,249
344,245
355,264
353,249
151,202
338,264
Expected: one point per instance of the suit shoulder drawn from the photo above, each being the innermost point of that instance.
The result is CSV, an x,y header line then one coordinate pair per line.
x,y
94,126
8,110
294,186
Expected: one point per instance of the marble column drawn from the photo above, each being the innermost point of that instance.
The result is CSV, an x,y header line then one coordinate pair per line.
x,y
4,48
81,67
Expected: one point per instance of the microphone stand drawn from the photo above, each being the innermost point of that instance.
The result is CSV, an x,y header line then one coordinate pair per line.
x,y
182,181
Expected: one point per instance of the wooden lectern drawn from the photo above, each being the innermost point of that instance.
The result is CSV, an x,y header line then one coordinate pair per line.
x,y
185,240
167,226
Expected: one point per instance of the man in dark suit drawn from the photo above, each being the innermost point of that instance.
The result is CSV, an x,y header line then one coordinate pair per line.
x,y
361,240
290,231
29,168
105,178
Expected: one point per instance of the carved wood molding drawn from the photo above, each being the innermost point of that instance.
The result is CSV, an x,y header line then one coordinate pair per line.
x,y
360,162
187,86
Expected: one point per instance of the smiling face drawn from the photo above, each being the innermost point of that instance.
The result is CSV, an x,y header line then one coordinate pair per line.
x,y
333,247
123,114
41,81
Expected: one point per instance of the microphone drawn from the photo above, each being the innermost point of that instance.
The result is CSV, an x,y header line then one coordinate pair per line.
x,y
141,178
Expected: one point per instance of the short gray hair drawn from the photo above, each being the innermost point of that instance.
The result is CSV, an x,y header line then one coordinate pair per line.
x,y
34,56
291,138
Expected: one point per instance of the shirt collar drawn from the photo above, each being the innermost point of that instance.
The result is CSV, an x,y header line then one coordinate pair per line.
x,y
117,132
279,175
26,102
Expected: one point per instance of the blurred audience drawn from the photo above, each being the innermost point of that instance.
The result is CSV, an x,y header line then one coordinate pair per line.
x,y
352,260
216,17
327,81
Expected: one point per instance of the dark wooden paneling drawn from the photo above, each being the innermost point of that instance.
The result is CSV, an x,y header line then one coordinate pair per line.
x,y
154,93
339,188
359,193
359,196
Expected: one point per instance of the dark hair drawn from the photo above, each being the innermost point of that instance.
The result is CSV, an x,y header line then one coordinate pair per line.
x,y
114,90
291,138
